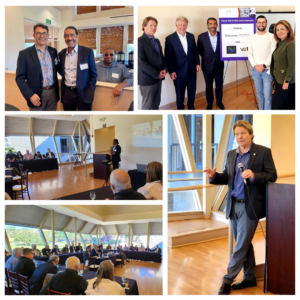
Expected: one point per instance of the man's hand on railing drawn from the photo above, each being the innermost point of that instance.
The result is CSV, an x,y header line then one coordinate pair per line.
x,y
210,173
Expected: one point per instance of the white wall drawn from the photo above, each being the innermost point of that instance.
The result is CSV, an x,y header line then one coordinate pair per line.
x,y
197,16
123,132
14,28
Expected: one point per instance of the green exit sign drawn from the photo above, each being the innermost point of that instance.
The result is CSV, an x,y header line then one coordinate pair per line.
x,y
48,21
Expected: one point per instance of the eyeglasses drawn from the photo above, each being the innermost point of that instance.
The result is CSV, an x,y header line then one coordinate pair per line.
x,y
72,35
110,54
41,33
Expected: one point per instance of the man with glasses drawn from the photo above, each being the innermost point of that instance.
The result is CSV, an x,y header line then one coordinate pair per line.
x,y
25,266
109,70
36,74
78,70
260,48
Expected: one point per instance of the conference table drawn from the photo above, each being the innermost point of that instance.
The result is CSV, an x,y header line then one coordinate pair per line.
x,y
36,165
62,257
101,194
144,256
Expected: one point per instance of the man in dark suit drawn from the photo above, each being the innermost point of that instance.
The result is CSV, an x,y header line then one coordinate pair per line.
x,y
213,68
94,251
25,266
157,250
46,250
36,74
78,71
38,276
115,154
152,67
55,250
68,281
79,248
49,154
244,209
72,248
183,62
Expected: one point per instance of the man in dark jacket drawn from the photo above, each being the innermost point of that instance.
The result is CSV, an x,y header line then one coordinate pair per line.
x,y
46,250
38,276
25,266
68,281
79,248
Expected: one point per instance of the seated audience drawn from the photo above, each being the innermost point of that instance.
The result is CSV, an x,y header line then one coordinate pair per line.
x,y
121,186
68,281
36,251
109,70
55,250
72,248
10,156
125,248
141,249
46,250
25,266
14,258
38,155
104,282
49,154
19,156
79,248
153,189
88,253
39,274
27,156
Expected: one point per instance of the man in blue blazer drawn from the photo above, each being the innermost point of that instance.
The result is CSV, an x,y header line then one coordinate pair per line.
x,y
213,68
36,74
183,62
79,73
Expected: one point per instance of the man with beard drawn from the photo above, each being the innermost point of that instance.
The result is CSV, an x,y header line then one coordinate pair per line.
x,y
209,49
260,48
78,71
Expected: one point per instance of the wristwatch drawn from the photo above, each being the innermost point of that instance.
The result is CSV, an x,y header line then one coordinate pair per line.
x,y
286,81
265,66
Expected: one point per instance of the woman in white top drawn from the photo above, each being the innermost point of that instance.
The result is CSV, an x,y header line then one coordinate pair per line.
x,y
152,190
104,283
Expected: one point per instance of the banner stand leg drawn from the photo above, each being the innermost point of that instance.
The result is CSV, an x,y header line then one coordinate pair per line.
x,y
256,103
236,78
224,78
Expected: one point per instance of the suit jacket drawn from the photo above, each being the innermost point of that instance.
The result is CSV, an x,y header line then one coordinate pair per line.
x,y
38,276
25,266
116,155
77,248
72,249
46,251
208,56
94,253
150,63
29,76
86,79
66,282
47,155
55,251
177,60
129,194
262,165
87,255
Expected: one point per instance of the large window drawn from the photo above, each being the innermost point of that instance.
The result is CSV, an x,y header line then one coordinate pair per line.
x,y
59,238
123,239
217,127
156,240
110,240
87,239
71,237
42,143
17,143
139,239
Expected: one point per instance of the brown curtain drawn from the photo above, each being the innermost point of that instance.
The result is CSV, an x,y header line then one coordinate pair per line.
x,y
130,34
86,9
87,38
112,37
110,7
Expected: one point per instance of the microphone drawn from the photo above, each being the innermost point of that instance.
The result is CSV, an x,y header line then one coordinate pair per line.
x,y
241,167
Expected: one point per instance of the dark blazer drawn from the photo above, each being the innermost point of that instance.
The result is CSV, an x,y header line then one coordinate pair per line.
x,y
116,155
262,165
47,154
38,276
25,266
72,249
208,56
29,76
66,282
129,194
177,60
77,248
19,157
46,251
94,253
55,251
86,79
87,254
150,63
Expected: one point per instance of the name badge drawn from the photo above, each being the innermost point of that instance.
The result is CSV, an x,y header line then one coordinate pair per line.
x,y
84,66
115,75
55,61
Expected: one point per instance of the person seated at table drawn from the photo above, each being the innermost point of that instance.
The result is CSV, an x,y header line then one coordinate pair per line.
x,y
121,186
64,250
72,248
94,251
104,282
37,279
153,189
109,70
131,248
136,248
125,248
157,250
88,253
10,156
38,155
19,156
68,281
119,248
67,248
27,156
46,250
142,249
25,266
36,251
49,154
100,249
108,248
55,250
79,248
13,259
147,249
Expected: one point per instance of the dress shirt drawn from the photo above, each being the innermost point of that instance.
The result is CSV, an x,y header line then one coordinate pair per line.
x,y
213,40
71,67
152,190
183,41
36,252
28,156
125,249
11,262
106,287
115,73
141,249
46,65
154,42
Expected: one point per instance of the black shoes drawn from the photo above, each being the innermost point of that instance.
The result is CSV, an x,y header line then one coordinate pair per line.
x,y
221,105
224,289
209,107
128,260
243,284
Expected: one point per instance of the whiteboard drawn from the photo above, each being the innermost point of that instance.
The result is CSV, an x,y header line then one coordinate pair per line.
x,y
274,17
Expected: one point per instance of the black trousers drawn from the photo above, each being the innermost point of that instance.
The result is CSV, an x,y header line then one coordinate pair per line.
x,y
71,101
283,99
181,84
115,164
210,77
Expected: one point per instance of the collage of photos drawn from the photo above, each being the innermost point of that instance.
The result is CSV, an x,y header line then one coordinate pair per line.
x,y
77,219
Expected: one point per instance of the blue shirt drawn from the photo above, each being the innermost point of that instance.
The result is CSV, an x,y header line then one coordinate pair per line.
x,y
46,66
213,40
154,42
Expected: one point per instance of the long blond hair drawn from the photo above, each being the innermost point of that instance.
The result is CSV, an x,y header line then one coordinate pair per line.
x,y
105,270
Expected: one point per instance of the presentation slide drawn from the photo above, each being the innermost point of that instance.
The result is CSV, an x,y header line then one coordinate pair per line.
x,y
147,134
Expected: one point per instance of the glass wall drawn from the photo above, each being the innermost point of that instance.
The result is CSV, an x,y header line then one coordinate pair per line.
x,y
87,239
110,240
59,238
156,240
123,239
139,239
